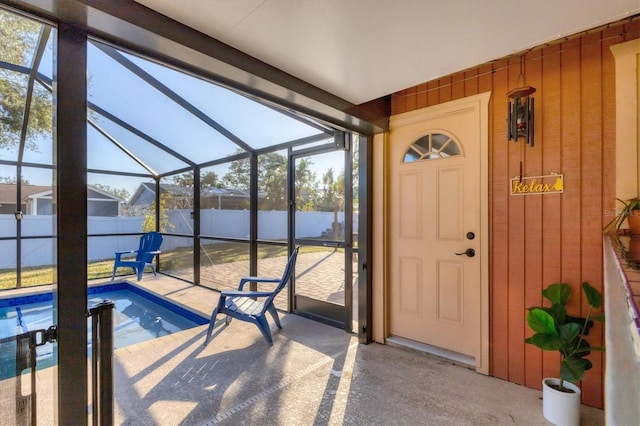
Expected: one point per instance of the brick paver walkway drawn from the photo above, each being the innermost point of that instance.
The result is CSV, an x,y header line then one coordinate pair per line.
x,y
319,275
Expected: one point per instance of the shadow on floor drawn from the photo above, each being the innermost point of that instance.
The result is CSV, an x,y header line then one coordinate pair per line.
x,y
312,375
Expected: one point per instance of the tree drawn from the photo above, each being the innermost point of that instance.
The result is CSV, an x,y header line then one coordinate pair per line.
x,y
306,186
185,180
210,180
149,223
207,180
238,175
272,180
19,37
12,180
355,171
327,192
331,197
180,193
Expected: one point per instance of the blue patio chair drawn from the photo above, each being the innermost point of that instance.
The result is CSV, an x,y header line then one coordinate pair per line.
x,y
252,306
149,248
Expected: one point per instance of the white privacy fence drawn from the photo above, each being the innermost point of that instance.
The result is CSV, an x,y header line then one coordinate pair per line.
x,y
272,225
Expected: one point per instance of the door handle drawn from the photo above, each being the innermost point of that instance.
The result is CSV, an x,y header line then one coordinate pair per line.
x,y
469,252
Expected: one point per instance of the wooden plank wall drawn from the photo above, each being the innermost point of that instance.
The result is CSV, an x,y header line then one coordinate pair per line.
x,y
537,240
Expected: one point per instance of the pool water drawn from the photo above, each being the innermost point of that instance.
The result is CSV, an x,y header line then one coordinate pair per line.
x,y
138,316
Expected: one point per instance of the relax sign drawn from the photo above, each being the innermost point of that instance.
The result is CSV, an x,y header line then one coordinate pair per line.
x,y
549,184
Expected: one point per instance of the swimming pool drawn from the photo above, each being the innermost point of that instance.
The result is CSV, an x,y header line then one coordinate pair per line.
x,y
138,316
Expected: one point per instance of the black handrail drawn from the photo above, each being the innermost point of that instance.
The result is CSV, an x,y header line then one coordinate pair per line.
x,y
102,362
25,359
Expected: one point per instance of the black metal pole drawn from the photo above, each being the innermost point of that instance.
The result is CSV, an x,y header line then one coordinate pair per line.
x,y
18,216
253,218
70,192
365,233
102,362
95,364
195,215
106,363
32,365
291,196
348,230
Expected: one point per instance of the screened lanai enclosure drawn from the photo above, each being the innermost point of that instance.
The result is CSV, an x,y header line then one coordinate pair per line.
x,y
232,181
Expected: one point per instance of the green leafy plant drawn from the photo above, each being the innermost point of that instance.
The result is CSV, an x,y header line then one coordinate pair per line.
x,y
630,206
555,330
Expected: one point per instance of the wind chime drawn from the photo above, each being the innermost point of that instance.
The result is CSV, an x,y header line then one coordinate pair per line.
x,y
520,117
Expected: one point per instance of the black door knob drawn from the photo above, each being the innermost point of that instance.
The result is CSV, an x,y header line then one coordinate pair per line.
x,y
469,252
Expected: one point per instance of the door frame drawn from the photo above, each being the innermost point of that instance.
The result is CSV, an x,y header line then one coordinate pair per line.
x,y
381,213
340,316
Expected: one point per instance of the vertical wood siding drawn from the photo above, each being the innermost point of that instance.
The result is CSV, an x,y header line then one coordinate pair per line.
x,y
537,240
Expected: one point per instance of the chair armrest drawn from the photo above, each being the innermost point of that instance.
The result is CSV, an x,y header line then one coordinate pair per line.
x,y
120,253
245,280
154,252
231,293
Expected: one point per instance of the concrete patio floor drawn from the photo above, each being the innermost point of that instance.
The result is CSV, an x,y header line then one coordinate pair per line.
x,y
313,374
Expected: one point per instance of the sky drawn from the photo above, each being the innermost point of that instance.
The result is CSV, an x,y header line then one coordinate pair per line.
x,y
125,95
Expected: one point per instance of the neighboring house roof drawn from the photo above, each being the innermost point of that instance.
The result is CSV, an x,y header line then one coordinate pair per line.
x,y
100,193
93,193
144,187
181,191
8,192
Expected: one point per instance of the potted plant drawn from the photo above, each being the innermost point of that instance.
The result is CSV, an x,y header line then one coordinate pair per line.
x,y
630,212
556,330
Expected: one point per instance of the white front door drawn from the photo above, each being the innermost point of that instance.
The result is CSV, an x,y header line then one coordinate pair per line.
x,y
436,228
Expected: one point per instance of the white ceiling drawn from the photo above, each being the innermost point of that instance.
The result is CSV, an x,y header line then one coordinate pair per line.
x,y
361,50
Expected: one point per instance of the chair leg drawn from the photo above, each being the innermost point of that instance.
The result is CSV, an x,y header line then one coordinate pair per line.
x,y
140,271
212,321
263,325
274,314
113,274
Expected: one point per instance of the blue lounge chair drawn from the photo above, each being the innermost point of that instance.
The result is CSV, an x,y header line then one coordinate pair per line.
x,y
149,248
252,306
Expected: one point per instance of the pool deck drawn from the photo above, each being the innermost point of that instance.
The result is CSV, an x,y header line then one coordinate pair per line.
x,y
313,374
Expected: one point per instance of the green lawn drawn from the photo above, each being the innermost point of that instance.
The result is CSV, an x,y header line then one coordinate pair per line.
x,y
174,260
178,259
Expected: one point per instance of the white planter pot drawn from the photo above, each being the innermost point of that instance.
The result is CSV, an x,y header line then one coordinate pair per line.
x,y
560,408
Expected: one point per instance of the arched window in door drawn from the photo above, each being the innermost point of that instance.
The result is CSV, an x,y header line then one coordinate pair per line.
x,y
432,146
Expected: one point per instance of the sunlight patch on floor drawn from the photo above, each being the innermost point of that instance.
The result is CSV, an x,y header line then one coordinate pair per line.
x,y
160,408
344,386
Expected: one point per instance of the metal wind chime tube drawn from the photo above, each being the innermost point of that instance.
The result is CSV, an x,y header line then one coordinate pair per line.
x,y
520,116
531,127
528,121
